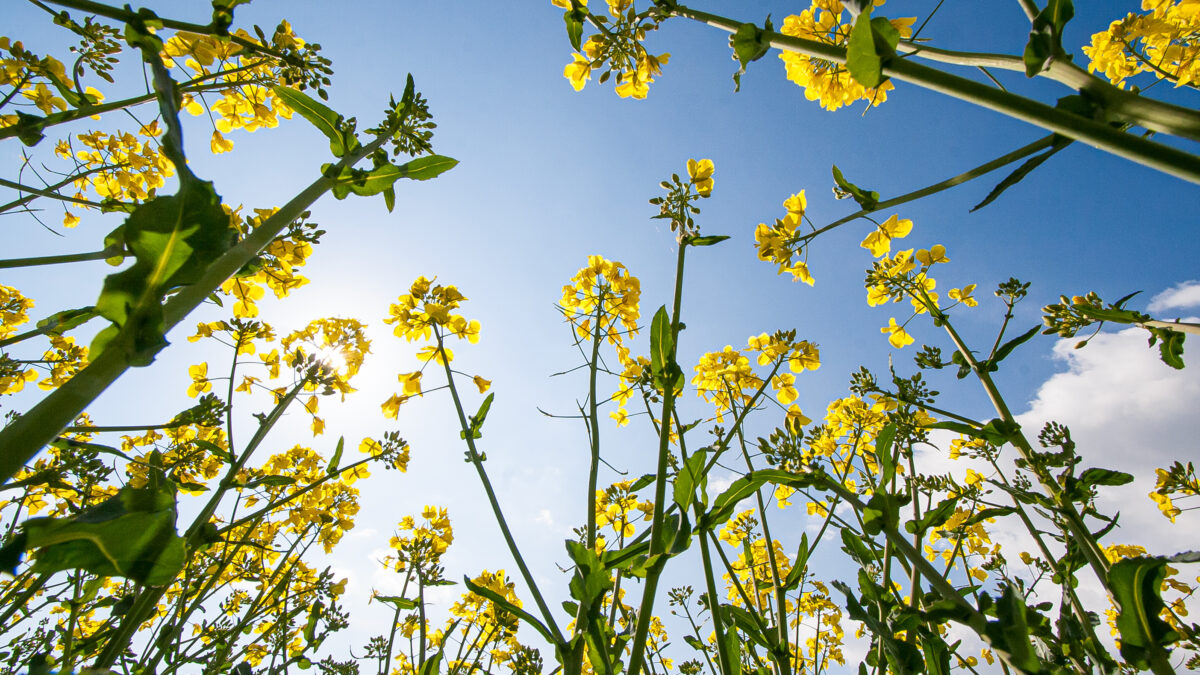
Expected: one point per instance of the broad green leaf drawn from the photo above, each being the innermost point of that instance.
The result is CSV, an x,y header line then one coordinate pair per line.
x,y
574,20
857,548
882,512
1136,585
748,45
320,116
174,238
725,503
691,476
1010,633
800,565
424,168
131,534
431,664
1007,348
1170,346
864,64
1104,477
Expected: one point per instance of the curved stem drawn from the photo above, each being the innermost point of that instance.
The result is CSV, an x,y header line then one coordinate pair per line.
x,y
1097,134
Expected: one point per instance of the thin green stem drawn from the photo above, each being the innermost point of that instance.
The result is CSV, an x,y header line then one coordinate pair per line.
x,y
475,458
61,259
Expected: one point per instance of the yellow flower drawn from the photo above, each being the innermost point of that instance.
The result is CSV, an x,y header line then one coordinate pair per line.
x,y
933,256
963,295
578,71
44,99
483,384
391,407
70,219
200,383
897,336
701,174
879,242
412,383
220,144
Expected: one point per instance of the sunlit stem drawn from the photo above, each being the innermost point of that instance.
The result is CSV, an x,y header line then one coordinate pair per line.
x,y
657,545
714,606
982,169
477,460
593,417
29,433
1087,544
1094,133
783,664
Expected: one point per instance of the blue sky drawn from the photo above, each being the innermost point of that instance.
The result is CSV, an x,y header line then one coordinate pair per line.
x,y
549,176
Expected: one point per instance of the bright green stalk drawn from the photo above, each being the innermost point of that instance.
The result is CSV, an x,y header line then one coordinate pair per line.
x,y
1097,134
29,433
657,546
594,426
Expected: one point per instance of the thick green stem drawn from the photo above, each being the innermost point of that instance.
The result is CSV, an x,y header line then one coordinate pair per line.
x,y
714,606
22,439
657,545
1096,134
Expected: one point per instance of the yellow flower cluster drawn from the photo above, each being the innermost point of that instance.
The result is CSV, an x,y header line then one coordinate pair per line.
x,y
1161,42
427,312
828,82
420,544
14,310
327,505
276,265
726,379
243,82
824,644
186,451
598,297
755,573
65,358
776,243
120,166
619,45
340,345
619,508
968,544
738,528
30,74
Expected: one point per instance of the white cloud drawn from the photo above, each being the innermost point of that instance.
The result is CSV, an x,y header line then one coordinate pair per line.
x,y
1184,294
545,518
1126,411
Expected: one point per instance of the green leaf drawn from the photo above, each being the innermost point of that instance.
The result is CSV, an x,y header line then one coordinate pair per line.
x,y
1007,348
574,19
397,601
337,456
645,481
174,238
864,64
131,534
1104,477
424,168
800,566
748,45
1022,171
882,512
1045,36
867,199
707,241
1010,633
932,518
1136,585
271,481
61,322
1170,346
501,602
476,425
725,503
431,664
691,476
662,348
320,116
883,450
857,548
